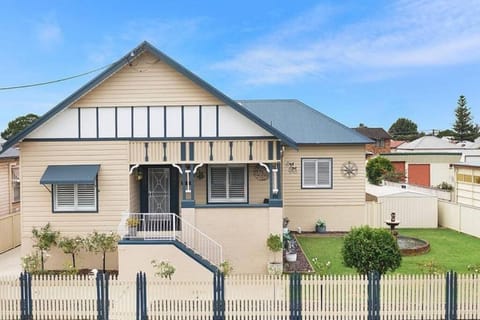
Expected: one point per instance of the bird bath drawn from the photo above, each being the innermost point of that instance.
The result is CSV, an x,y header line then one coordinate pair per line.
x,y
409,246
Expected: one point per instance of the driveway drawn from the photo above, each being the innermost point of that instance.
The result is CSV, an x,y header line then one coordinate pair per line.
x,y
10,263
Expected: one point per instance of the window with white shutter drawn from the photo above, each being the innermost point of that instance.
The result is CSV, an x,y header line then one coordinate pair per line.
x,y
74,197
227,184
317,173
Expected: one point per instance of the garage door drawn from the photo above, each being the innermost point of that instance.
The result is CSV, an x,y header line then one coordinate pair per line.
x,y
419,174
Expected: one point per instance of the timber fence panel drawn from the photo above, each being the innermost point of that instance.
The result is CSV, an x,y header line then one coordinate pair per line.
x,y
334,297
412,297
9,297
257,297
468,306
53,297
168,299
122,299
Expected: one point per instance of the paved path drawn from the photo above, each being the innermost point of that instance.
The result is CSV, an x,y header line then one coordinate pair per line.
x,y
10,263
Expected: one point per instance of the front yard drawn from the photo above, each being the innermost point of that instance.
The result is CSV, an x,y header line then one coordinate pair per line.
x,y
449,250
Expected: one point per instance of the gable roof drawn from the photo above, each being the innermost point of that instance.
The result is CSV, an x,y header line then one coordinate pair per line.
x,y
8,153
302,123
428,143
373,133
116,66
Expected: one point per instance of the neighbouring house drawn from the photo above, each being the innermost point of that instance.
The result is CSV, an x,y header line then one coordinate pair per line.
x,y
9,199
183,172
426,161
467,183
381,140
394,144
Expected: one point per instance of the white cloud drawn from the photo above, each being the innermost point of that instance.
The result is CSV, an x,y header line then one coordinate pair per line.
x,y
406,34
49,33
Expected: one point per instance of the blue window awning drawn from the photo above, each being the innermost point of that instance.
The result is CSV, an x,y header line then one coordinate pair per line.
x,y
70,174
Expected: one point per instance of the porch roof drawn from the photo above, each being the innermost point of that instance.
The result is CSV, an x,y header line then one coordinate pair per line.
x,y
70,174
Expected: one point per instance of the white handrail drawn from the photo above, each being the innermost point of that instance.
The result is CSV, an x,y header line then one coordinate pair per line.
x,y
163,226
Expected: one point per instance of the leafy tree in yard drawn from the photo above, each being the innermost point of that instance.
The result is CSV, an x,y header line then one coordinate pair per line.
x,y
71,246
102,243
44,238
378,168
404,129
464,128
17,125
367,249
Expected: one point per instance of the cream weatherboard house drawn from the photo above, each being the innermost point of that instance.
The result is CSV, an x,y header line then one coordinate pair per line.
x,y
206,178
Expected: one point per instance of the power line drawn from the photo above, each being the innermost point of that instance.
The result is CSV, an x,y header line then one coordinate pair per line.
x,y
53,81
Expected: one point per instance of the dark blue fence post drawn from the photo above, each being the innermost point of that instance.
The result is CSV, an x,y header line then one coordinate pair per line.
x,y
373,295
295,296
142,313
218,296
26,310
451,296
102,296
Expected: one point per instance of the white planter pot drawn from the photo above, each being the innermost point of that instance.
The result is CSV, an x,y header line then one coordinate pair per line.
x,y
291,257
275,268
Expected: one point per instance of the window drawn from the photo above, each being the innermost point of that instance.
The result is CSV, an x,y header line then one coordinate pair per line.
x,y
15,184
380,143
74,197
227,184
317,173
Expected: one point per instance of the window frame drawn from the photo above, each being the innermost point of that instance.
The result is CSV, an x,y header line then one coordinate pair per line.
x,y
227,200
15,183
317,186
75,208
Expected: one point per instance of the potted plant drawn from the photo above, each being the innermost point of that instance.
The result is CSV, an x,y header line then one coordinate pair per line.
x,y
291,250
274,244
132,224
320,226
285,225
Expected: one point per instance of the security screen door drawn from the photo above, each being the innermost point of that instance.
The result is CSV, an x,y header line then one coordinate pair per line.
x,y
158,190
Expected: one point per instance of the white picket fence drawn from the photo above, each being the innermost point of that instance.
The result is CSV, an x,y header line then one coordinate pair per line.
x,y
246,297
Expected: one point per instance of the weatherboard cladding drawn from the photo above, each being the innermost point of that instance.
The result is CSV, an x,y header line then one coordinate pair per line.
x,y
275,116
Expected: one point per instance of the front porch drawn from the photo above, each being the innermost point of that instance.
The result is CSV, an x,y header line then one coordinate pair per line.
x,y
219,199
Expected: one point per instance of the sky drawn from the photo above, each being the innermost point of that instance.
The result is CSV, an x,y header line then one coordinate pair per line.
x,y
368,62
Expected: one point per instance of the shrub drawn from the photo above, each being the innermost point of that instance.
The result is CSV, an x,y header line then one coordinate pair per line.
x,y
226,268
378,168
71,246
31,263
445,186
322,268
431,267
367,249
163,269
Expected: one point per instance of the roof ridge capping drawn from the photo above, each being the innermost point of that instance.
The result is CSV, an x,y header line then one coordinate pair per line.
x,y
117,65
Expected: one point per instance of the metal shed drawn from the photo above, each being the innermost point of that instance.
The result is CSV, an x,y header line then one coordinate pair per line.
x,y
412,208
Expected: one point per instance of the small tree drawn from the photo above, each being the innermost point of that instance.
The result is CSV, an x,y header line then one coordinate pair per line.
x,y
17,125
367,249
274,243
71,246
102,243
464,129
44,238
378,168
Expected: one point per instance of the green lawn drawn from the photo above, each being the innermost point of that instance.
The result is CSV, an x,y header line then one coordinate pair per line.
x,y
449,249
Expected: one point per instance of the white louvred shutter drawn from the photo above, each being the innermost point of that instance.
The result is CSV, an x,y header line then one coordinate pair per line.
x,y
218,180
236,183
65,196
308,172
86,196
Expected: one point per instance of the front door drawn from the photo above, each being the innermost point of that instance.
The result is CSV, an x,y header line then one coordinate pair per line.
x,y
158,190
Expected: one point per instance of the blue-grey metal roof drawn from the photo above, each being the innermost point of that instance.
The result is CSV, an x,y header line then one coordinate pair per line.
x,y
114,67
70,174
302,123
10,152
